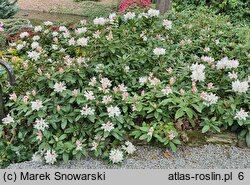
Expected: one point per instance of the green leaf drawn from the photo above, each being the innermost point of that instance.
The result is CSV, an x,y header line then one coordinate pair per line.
x,y
189,112
205,128
64,123
166,101
78,156
159,138
62,137
69,130
198,108
65,156
139,106
125,109
144,136
248,139
172,146
144,129
91,118
179,113
176,141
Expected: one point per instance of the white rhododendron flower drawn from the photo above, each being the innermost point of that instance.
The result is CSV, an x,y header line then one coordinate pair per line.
x,y
55,33
105,83
13,96
41,124
129,16
167,90
89,95
87,111
24,34
159,51
107,126
94,146
50,156
106,99
122,88
153,13
19,47
207,59
232,75
116,155
143,80
167,24
48,23
240,87
209,99
78,145
8,120
112,17
59,87
34,45
82,41
241,114
63,28
151,131
33,55
198,73
129,147
36,105
81,30
36,157
226,63
99,21
113,111
38,28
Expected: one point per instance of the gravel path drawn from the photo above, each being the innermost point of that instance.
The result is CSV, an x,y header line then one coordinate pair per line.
x,y
53,5
147,157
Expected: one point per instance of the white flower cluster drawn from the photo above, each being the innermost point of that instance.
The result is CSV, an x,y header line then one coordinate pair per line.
x,y
59,87
33,55
241,114
198,73
153,13
107,126
232,75
24,34
113,111
167,24
210,99
159,51
36,105
207,59
82,41
167,90
41,124
226,63
240,87
89,95
143,80
50,157
8,120
99,21
116,155
87,111
129,16
129,147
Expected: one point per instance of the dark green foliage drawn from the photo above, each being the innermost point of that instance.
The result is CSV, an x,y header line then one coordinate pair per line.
x,y
7,8
237,10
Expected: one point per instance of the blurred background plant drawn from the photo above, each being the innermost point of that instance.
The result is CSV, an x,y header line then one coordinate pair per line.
x,y
8,8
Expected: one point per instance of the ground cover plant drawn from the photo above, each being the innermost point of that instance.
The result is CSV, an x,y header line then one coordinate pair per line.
x,y
92,88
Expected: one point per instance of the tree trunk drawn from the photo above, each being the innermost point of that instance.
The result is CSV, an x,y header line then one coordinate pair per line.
x,y
163,5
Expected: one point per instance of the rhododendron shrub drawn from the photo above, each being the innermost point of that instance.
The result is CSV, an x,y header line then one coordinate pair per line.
x,y
91,88
128,4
